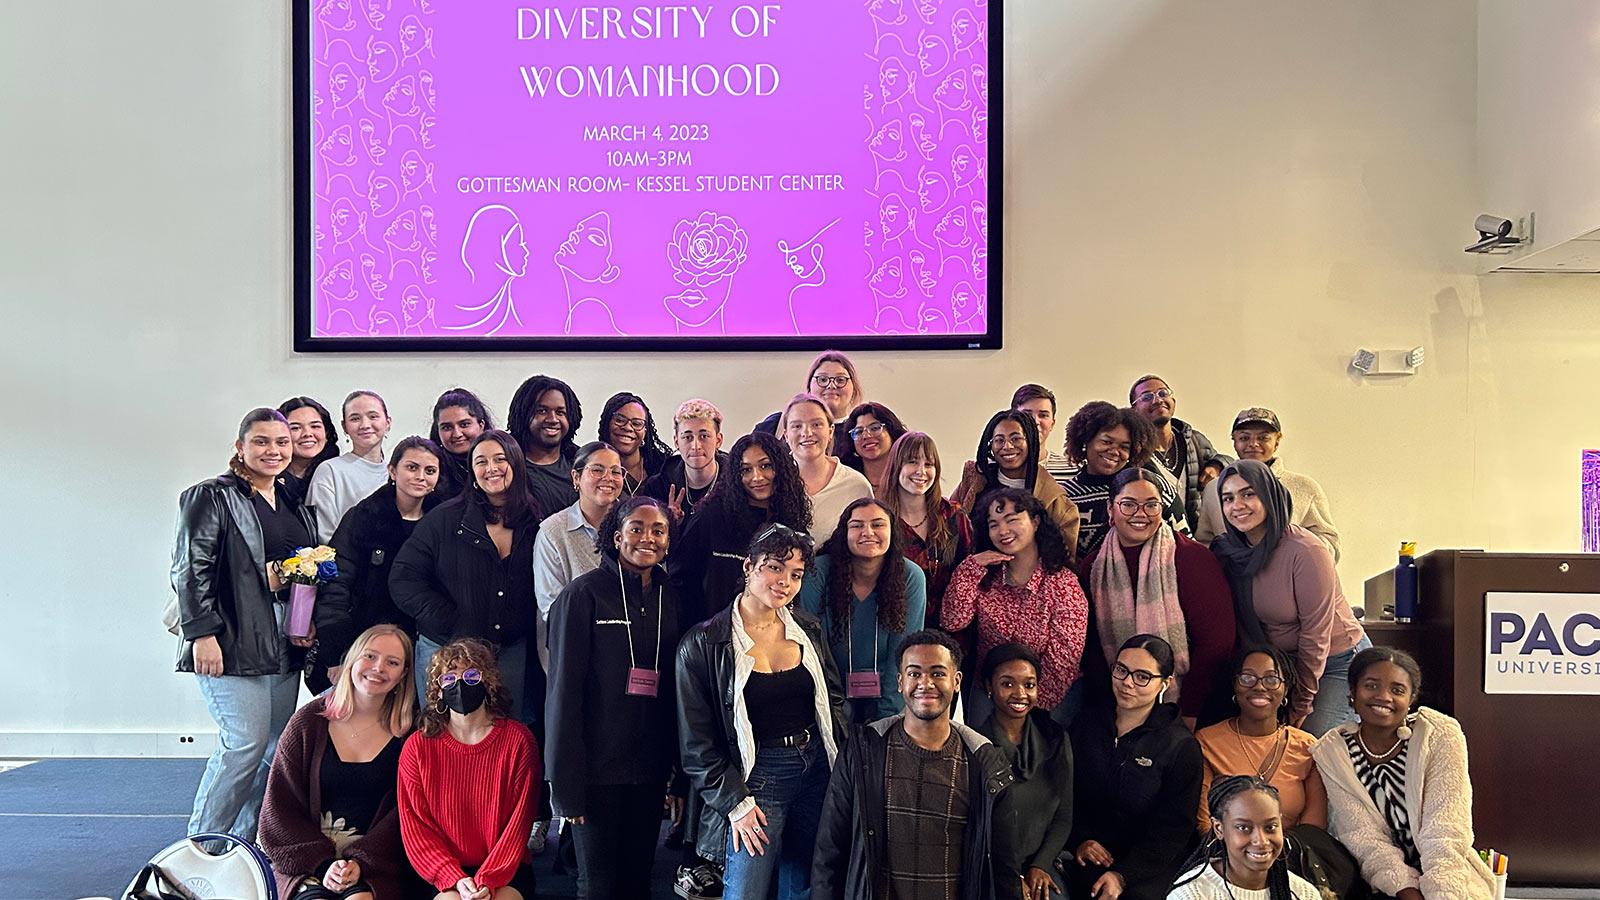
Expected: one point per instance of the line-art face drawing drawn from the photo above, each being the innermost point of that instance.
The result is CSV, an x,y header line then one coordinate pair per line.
x,y
383,323
952,229
705,253
493,251
425,82
889,143
980,82
586,253
430,228
335,15
382,62
402,232
416,310
894,79
952,92
920,137
415,172
401,99
347,221
980,218
426,6
980,124
805,261
889,280
933,190
933,54
980,262
344,86
429,257
415,38
425,131
889,12
374,279
339,284
336,147
964,166
377,11
965,307
376,150
927,9
932,320
382,194
894,217
921,276
966,30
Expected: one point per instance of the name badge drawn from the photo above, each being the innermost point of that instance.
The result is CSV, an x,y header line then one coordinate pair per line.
x,y
863,686
643,682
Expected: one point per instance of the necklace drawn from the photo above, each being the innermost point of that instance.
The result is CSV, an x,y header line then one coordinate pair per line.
x,y
1385,754
348,725
1267,765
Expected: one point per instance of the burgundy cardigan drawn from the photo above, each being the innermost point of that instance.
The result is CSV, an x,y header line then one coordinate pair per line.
x,y
291,815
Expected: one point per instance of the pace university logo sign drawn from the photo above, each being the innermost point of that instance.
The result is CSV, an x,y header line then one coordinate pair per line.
x,y
1541,643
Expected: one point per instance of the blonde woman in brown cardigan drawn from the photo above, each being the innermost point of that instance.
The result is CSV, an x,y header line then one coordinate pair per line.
x,y
344,844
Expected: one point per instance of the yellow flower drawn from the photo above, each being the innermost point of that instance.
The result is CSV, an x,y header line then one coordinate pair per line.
x,y
290,563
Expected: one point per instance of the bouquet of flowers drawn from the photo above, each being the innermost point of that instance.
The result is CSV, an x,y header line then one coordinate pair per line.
x,y
307,568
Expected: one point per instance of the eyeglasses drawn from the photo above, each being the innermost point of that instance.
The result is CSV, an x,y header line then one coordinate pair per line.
x,y
777,527
1128,506
860,431
1271,681
470,676
1140,677
625,422
1015,440
830,381
1147,396
598,471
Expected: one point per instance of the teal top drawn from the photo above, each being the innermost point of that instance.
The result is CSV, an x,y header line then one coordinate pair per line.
x,y
867,647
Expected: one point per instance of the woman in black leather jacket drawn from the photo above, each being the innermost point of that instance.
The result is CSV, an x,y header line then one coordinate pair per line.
x,y
760,722
368,539
233,530
467,569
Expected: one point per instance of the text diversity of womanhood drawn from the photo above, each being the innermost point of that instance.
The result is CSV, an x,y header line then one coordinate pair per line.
x,y
667,22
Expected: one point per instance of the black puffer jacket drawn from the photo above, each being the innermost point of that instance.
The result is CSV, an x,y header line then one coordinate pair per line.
x,y
852,840
367,540
219,572
1135,795
451,579
706,735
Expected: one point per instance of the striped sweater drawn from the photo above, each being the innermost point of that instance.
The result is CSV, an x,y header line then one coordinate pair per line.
x,y
468,806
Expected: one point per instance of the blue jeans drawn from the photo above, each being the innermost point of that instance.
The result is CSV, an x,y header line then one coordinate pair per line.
x,y
512,661
789,786
1331,708
250,712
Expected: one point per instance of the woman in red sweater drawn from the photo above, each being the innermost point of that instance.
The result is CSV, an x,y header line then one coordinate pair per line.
x,y
1145,578
469,781
1019,587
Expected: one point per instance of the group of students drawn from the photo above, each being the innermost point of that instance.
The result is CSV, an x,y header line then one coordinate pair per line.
x,y
831,678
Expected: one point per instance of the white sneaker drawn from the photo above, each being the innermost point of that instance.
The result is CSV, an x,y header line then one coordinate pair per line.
x,y
536,838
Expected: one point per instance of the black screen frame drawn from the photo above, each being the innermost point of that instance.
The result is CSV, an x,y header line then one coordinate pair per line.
x,y
305,342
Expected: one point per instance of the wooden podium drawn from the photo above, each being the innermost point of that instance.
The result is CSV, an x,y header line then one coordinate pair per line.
x,y
1535,781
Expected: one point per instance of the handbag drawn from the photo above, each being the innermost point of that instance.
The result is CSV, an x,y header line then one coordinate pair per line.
x,y
185,871
1316,856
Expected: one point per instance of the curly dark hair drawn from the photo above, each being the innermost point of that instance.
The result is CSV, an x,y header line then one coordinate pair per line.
x,y
519,421
605,538
989,467
652,449
1098,416
892,424
1053,553
475,654
891,586
789,503
1280,661
779,541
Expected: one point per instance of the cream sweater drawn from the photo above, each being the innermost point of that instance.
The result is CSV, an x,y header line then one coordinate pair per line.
x,y
1438,803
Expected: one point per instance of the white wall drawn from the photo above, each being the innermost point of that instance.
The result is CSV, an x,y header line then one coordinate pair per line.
x,y
1233,194
1539,115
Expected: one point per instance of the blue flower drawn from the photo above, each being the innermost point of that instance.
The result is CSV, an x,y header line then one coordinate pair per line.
x,y
327,571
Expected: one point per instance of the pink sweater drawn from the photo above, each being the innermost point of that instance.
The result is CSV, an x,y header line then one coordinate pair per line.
x,y
1050,615
1302,609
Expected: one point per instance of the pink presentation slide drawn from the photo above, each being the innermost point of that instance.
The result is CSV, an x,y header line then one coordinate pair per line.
x,y
506,171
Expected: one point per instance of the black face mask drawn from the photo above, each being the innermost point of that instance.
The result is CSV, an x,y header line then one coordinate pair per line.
x,y
465,698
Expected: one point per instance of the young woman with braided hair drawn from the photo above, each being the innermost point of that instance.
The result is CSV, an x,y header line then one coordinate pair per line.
x,y
1243,858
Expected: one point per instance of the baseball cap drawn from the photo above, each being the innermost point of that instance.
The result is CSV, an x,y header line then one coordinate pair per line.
x,y
1256,415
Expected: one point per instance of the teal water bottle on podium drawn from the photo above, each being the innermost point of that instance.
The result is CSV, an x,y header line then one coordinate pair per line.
x,y
1405,583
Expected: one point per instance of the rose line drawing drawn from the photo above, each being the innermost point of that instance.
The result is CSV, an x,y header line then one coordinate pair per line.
x,y
705,253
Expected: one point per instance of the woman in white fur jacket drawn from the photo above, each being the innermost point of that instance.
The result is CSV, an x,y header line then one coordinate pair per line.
x,y
1399,796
